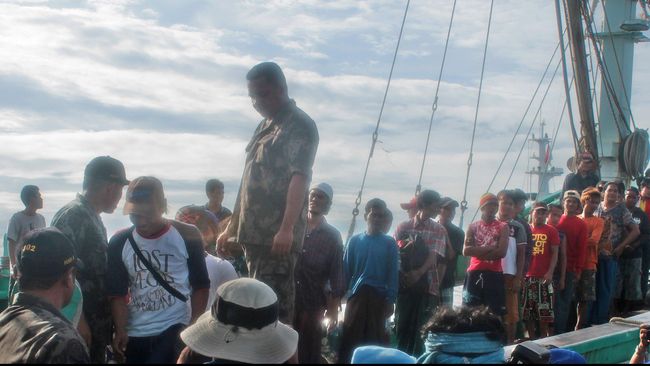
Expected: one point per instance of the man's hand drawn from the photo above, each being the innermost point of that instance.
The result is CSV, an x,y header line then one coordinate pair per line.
x,y
605,252
619,250
282,242
184,356
548,278
222,243
643,336
412,277
120,340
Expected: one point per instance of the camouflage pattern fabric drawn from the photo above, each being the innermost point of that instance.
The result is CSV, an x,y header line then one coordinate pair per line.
x,y
277,272
34,331
84,227
279,149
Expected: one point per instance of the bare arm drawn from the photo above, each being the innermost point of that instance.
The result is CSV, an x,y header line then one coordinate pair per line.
x,y
12,252
548,278
502,245
199,300
295,201
120,314
471,250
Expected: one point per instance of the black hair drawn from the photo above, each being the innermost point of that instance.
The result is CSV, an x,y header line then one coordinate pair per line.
x,y
601,185
645,183
213,184
556,206
507,194
27,193
519,195
619,185
376,203
466,319
634,189
427,198
269,71
27,283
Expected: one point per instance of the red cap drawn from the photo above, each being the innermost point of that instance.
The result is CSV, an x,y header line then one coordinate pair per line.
x,y
413,203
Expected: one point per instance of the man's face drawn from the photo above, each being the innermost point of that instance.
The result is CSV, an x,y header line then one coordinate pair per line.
x,y
216,196
554,216
586,164
518,207
318,202
631,199
37,201
430,211
591,205
539,216
267,99
611,193
571,206
489,210
113,196
506,207
147,217
376,219
447,214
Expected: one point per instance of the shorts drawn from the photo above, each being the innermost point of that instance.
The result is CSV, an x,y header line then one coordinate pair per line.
x,y
586,288
512,301
538,300
628,281
485,288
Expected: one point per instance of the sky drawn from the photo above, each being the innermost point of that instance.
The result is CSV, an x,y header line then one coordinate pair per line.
x,y
161,86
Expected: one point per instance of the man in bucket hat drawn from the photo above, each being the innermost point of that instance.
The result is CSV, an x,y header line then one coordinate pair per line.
x,y
243,326
33,328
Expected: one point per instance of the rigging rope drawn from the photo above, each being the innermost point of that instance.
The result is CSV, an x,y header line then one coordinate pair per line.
x,y
618,66
574,133
434,107
375,134
533,123
463,204
523,118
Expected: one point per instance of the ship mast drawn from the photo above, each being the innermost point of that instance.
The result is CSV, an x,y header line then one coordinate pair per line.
x,y
544,171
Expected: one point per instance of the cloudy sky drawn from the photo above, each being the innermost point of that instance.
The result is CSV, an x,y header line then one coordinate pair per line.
x,y
161,86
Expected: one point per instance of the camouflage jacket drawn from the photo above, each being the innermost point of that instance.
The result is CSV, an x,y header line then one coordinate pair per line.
x,y
34,331
279,149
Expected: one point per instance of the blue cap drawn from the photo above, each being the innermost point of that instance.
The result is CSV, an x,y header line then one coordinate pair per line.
x,y
379,355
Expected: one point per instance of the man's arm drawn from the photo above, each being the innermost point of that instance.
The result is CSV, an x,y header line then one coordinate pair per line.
x,y
633,233
12,252
120,314
548,277
502,245
295,202
199,300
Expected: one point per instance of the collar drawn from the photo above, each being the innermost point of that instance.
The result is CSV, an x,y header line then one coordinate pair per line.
x,y
28,301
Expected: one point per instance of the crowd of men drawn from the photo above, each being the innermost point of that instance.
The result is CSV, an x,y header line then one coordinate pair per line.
x,y
167,290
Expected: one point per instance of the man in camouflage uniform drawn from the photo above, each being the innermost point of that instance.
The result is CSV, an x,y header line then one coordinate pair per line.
x,y
33,328
270,214
104,180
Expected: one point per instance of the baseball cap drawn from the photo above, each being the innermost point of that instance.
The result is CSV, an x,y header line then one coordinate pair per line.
x,y
106,168
540,206
144,196
571,194
243,326
413,203
325,188
448,202
46,253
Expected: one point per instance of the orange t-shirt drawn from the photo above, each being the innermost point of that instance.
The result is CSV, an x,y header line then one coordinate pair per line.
x,y
595,227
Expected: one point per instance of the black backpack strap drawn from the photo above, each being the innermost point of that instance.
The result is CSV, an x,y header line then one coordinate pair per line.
x,y
156,275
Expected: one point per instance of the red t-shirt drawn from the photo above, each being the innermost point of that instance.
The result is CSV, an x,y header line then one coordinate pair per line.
x,y
544,237
486,235
576,242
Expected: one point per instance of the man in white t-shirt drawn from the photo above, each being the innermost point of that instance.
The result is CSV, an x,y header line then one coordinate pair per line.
x,y
24,221
150,312
513,262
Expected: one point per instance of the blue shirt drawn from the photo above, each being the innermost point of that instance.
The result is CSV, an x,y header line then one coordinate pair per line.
x,y
372,260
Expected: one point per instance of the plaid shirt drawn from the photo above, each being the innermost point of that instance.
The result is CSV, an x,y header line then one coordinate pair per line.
x,y
434,236
320,264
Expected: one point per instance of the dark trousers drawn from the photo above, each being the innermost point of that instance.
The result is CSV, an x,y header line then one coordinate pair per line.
x,y
162,348
645,266
364,324
563,301
309,325
413,310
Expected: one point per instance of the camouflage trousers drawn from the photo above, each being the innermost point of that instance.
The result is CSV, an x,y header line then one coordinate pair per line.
x,y
277,272
98,316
